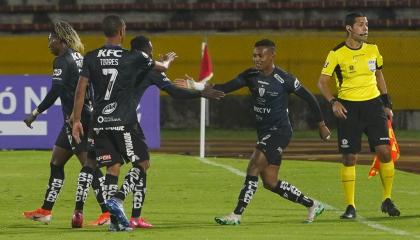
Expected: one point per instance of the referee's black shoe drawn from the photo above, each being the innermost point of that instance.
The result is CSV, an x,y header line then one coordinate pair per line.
x,y
350,213
389,207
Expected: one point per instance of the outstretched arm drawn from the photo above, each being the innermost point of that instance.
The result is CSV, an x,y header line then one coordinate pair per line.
x,y
189,83
303,93
46,103
79,99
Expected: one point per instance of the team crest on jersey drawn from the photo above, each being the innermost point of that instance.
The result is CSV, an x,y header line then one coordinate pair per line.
x,y
261,91
57,72
372,65
297,84
110,108
276,76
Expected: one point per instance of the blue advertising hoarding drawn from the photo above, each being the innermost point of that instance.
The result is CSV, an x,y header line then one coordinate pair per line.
x,y
20,94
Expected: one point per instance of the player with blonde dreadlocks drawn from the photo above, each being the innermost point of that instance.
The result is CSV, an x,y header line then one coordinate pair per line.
x,y
65,44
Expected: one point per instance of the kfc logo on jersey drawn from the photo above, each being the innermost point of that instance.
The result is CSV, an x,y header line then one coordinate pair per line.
x,y
261,91
278,78
57,72
326,64
110,53
110,108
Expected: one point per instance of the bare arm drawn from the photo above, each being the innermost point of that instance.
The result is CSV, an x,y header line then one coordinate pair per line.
x,y
79,99
380,80
338,109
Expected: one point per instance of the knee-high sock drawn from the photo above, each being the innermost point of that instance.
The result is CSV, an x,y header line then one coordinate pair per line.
x,y
98,184
55,184
386,170
139,194
84,181
246,193
110,187
292,193
348,178
132,178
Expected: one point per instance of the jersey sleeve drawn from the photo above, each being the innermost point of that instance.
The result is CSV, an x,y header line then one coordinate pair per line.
x,y
379,59
234,84
292,83
330,64
160,80
144,62
60,71
85,68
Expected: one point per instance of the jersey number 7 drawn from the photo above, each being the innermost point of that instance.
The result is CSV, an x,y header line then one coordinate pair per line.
x,y
114,73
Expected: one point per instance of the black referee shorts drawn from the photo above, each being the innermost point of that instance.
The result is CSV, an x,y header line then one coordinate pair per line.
x,y
119,144
273,143
362,117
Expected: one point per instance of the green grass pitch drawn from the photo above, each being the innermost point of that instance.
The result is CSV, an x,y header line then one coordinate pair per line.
x,y
185,194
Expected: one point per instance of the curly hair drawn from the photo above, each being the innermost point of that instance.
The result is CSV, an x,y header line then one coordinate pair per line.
x,y
66,33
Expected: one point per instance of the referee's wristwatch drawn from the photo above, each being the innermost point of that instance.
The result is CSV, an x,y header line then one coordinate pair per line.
x,y
333,100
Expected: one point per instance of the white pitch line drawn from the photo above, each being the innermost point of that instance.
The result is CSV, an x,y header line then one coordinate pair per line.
x,y
359,218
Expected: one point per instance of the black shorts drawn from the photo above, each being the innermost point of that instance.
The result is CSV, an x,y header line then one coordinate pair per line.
x,y
119,144
362,117
66,141
273,143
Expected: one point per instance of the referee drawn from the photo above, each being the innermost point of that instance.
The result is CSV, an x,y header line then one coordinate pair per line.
x,y
362,106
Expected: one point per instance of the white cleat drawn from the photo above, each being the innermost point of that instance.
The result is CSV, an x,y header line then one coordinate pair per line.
x,y
231,219
314,211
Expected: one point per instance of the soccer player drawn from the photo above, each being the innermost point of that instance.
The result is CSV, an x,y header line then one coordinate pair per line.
x,y
362,105
270,87
65,44
117,136
159,79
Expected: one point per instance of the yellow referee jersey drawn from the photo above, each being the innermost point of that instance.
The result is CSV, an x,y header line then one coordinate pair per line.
x,y
354,71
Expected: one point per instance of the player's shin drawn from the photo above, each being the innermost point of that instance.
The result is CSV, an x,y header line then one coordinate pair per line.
x,y
139,194
246,194
98,184
110,187
55,184
84,182
292,193
133,177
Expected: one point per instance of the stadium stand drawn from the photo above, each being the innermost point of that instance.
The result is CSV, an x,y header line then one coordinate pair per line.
x,y
158,15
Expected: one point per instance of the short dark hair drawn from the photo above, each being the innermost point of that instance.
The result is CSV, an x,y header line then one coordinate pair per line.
x,y
112,24
265,43
351,18
140,43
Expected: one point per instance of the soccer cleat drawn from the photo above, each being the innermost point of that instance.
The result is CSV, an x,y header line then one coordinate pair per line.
x,y
77,220
350,213
114,226
231,219
40,215
314,211
116,209
389,207
139,223
103,219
